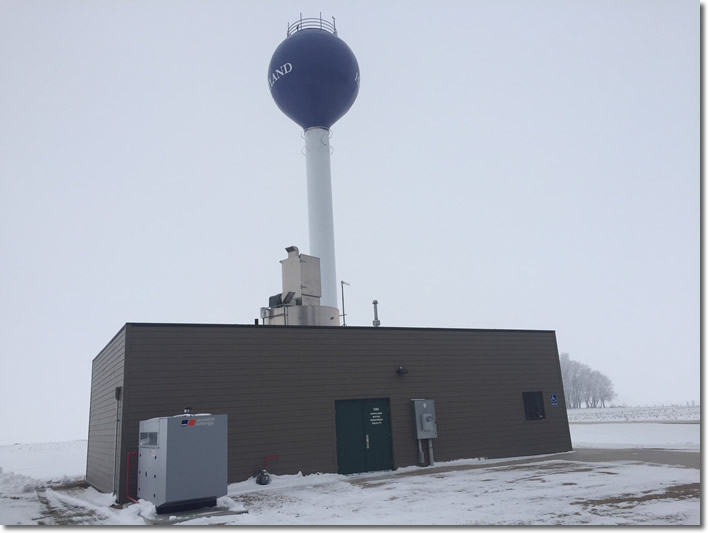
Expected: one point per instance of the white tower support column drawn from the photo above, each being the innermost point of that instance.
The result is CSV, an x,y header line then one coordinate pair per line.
x,y
319,210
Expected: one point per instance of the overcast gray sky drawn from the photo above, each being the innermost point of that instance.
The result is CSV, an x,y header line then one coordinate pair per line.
x,y
516,164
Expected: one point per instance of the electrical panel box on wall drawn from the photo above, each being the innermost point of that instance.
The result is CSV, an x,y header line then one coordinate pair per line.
x,y
424,415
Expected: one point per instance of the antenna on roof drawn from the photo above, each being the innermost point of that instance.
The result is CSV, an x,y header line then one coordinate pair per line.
x,y
344,315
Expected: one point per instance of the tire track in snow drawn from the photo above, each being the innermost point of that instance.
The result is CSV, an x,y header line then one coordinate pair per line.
x,y
63,510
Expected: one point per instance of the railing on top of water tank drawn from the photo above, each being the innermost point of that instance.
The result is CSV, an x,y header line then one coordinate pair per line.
x,y
312,24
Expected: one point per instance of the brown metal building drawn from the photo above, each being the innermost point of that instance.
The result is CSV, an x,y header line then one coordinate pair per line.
x,y
498,393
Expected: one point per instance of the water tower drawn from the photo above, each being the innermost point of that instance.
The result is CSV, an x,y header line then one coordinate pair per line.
x,y
314,79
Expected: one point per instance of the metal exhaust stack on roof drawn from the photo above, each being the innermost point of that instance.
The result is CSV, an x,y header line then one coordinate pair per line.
x,y
299,303
376,321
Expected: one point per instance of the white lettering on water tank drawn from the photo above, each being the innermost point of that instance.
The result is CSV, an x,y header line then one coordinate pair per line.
x,y
279,73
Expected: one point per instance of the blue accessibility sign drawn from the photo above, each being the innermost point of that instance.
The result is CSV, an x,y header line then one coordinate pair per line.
x,y
554,400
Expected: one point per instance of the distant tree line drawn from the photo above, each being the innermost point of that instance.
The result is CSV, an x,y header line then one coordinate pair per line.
x,y
582,384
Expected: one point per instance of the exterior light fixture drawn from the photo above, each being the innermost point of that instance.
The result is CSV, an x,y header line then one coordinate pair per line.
x,y
402,371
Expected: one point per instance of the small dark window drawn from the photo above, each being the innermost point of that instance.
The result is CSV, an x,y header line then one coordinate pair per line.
x,y
533,405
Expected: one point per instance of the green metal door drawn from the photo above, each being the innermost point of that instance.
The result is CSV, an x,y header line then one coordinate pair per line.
x,y
363,435
377,428
351,447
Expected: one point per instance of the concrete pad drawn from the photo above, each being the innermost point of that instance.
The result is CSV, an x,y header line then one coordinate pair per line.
x,y
686,459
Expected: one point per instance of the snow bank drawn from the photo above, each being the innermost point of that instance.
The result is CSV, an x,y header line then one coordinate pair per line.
x,y
11,483
133,513
229,504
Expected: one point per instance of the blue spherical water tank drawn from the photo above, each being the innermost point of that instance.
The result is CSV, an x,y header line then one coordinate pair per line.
x,y
313,78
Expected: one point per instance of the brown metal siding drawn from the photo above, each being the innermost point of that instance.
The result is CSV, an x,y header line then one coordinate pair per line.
x,y
106,375
278,386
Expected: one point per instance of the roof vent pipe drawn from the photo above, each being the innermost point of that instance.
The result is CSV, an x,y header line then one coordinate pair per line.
x,y
376,321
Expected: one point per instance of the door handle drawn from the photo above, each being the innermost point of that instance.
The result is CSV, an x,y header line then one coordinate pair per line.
x,y
367,442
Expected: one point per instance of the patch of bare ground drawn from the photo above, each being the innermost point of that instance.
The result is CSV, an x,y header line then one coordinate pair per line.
x,y
257,499
625,501
548,467
67,485
371,484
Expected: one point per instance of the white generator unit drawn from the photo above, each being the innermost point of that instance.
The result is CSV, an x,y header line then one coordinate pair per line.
x,y
182,461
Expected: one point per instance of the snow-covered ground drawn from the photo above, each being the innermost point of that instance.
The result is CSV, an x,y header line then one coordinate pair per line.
x,y
637,435
49,461
38,485
636,414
